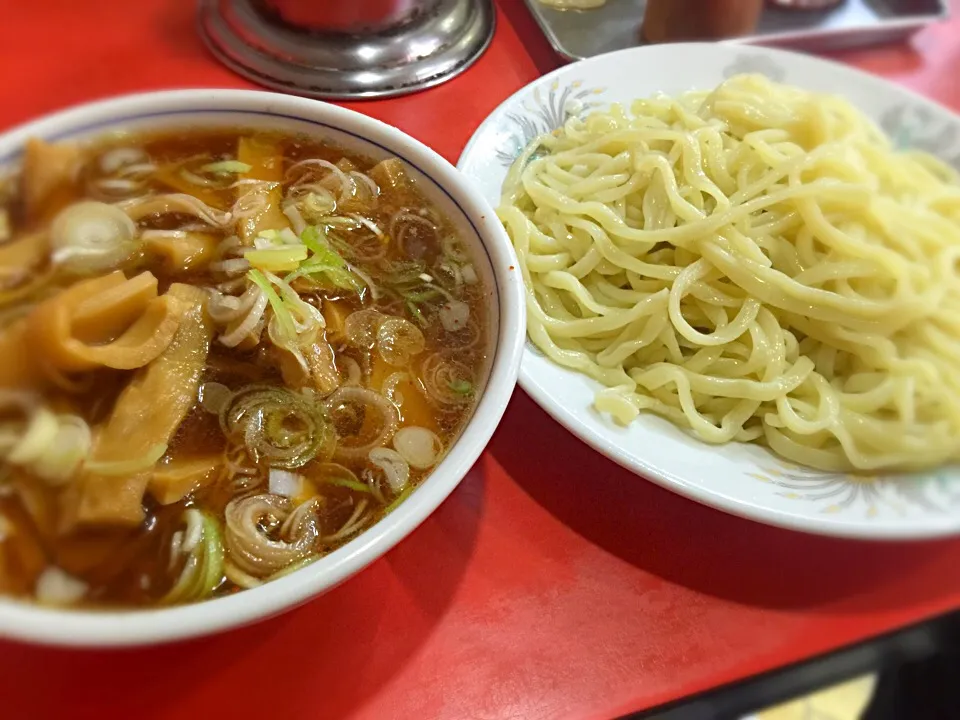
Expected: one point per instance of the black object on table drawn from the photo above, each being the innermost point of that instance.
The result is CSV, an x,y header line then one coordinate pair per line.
x,y
919,679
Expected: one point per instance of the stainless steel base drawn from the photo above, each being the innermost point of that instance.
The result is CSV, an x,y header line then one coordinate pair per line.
x,y
433,47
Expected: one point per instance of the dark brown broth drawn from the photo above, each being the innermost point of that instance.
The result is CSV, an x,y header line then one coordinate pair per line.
x,y
132,568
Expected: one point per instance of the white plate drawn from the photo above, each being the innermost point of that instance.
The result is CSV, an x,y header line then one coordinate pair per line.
x,y
741,479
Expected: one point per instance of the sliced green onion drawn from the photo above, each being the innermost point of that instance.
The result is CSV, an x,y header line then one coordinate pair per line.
x,y
32,442
284,318
293,567
277,259
90,237
278,425
195,179
286,236
416,313
339,277
306,317
267,239
129,467
342,278
399,499
272,236
287,293
317,205
203,570
336,474
461,387
423,295
400,273
346,482
315,239
324,261
289,237
226,166
340,220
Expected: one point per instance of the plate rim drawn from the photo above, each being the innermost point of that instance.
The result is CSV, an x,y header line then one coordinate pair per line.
x,y
925,527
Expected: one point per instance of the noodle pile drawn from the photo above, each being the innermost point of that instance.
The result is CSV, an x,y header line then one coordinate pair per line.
x,y
756,263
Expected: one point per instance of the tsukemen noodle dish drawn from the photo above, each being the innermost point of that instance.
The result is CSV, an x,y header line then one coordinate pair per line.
x,y
753,262
225,354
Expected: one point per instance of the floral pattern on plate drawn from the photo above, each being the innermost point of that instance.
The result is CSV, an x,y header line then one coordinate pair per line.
x,y
544,112
845,492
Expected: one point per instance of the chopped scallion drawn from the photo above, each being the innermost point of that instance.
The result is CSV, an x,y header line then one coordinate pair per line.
x,y
399,499
284,318
278,258
273,238
289,237
315,239
226,166
415,312
422,295
403,272
325,261
346,482
461,387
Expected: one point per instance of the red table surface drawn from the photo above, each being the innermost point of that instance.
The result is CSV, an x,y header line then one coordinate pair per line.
x,y
552,583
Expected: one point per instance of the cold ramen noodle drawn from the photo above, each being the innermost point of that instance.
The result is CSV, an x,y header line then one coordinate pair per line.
x,y
224,354
754,263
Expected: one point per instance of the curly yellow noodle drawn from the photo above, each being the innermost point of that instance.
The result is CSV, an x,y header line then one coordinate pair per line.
x,y
757,263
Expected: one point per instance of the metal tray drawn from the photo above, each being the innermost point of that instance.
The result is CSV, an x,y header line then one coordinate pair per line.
x,y
577,34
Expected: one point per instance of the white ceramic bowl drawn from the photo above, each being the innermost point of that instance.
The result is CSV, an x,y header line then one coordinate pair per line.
x,y
479,228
